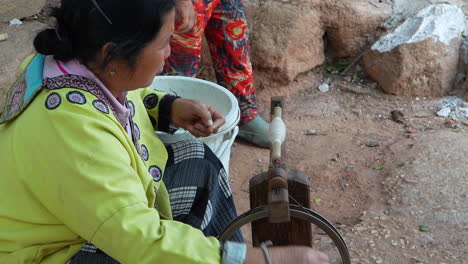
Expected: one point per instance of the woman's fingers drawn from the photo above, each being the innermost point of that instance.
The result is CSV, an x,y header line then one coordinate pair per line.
x,y
200,119
185,16
199,126
203,114
218,123
199,132
216,116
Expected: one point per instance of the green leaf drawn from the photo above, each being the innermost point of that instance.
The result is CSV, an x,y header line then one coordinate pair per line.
x,y
355,77
423,228
378,167
337,66
317,200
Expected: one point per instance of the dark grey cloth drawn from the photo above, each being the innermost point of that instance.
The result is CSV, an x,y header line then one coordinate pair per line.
x,y
199,192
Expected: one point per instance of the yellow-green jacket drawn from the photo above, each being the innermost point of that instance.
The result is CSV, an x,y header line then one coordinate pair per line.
x,y
69,173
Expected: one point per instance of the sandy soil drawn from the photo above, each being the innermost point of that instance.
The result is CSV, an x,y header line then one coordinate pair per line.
x,y
354,163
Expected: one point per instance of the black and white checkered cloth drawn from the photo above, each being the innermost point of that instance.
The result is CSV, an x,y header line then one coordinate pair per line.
x,y
199,188
188,149
199,192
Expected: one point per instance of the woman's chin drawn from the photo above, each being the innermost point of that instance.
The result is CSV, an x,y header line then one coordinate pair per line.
x,y
148,83
160,70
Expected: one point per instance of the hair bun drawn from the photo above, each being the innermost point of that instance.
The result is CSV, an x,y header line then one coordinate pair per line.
x,y
48,43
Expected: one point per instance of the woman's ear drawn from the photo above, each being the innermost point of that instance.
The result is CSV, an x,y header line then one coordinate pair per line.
x,y
104,58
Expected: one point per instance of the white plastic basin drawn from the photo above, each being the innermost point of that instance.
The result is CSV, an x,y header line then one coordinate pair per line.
x,y
210,93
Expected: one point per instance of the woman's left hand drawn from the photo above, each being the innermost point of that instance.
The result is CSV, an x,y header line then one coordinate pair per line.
x,y
198,118
185,16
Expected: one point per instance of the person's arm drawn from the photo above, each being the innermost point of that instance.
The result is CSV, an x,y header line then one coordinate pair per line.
x,y
163,109
81,172
286,255
158,105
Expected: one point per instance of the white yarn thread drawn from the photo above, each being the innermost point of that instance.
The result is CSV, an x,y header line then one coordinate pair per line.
x,y
277,133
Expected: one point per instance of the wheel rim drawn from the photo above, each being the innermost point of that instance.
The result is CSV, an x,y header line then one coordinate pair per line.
x,y
299,212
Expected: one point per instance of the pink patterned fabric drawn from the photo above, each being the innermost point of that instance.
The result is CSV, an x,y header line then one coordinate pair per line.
x,y
53,68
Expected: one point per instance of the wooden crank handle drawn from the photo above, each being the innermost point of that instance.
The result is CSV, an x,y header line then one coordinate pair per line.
x,y
278,195
278,178
277,182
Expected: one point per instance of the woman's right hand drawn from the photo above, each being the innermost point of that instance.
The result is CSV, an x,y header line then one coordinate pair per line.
x,y
286,255
200,119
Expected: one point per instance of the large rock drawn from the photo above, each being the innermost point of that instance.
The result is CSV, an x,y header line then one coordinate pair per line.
x,y
352,25
285,38
462,76
420,57
11,9
404,9
14,50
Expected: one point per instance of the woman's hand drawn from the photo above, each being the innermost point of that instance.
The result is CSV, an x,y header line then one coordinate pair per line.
x,y
287,255
185,15
198,118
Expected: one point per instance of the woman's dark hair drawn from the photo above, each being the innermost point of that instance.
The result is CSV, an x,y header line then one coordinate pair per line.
x,y
85,26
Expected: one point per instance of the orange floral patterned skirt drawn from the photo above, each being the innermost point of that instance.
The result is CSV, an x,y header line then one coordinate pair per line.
x,y
225,26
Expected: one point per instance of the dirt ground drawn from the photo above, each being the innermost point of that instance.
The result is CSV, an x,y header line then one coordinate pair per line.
x,y
362,163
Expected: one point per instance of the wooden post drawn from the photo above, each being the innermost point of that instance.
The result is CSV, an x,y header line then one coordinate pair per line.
x,y
295,232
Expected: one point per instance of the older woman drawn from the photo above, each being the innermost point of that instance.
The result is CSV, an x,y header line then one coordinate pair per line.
x,y
81,167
